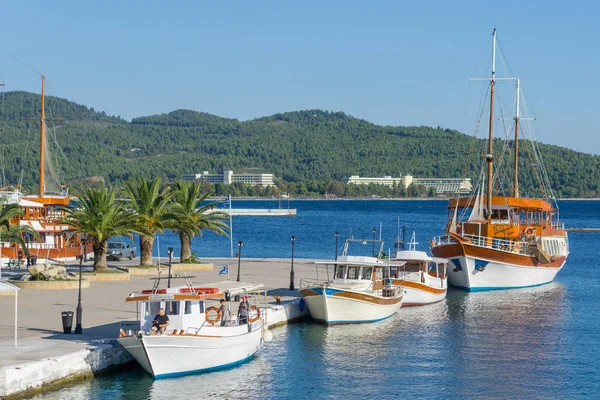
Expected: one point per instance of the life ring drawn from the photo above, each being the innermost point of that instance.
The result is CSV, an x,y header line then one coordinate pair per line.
x,y
529,231
208,319
254,319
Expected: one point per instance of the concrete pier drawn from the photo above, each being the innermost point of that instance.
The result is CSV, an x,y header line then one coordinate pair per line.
x,y
45,356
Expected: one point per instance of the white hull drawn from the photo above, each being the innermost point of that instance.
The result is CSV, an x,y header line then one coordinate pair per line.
x,y
174,355
418,297
497,275
343,310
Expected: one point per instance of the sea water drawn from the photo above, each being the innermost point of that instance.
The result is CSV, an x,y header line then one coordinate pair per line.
x,y
521,343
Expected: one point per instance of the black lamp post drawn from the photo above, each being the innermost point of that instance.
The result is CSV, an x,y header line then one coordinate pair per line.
x,y
336,244
79,316
170,253
374,230
240,244
292,270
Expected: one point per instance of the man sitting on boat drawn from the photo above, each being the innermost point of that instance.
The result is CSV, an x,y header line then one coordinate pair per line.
x,y
160,321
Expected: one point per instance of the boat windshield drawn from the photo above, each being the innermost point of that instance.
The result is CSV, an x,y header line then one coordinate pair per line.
x,y
353,272
367,272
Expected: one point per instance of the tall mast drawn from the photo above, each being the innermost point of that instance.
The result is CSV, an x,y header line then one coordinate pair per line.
x,y
490,155
42,140
516,177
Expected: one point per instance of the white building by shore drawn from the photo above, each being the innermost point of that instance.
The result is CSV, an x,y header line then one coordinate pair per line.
x,y
228,177
441,185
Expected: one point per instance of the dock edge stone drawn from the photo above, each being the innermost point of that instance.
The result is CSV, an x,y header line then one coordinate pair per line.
x,y
34,375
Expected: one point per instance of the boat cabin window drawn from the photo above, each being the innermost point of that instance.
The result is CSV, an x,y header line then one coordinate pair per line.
x,y
353,272
193,307
340,272
151,308
393,272
367,273
172,307
432,267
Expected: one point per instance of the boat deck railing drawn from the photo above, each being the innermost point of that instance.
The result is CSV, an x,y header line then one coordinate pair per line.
x,y
507,245
307,283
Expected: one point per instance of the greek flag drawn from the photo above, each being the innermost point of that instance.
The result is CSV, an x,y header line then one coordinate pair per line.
x,y
224,270
226,203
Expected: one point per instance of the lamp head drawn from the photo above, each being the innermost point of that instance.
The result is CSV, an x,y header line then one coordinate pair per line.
x,y
170,251
337,234
240,243
293,238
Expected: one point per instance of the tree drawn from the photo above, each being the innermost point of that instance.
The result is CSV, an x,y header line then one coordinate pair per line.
x,y
98,215
149,202
191,217
13,233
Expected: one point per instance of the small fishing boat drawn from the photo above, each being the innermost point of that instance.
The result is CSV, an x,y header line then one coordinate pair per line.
x,y
194,340
423,277
357,292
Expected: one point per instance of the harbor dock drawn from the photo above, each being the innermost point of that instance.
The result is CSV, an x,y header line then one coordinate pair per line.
x,y
47,357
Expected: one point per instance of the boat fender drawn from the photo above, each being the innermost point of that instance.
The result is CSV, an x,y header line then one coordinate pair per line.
x,y
267,335
255,318
302,305
211,320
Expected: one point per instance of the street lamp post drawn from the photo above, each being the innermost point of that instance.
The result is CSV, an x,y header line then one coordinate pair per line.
x,y
170,253
292,270
79,316
240,244
374,231
336,244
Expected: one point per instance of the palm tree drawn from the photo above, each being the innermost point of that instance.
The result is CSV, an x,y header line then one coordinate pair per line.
x,y
190,217
100,216
13,233
150,205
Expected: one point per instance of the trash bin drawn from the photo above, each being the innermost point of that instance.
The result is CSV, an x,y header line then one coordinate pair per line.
x,y
67,321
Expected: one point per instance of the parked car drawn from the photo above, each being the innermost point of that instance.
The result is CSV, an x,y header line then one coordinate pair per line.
x,y
119,250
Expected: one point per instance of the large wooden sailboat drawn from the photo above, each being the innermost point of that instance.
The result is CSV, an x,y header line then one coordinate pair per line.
x,y
502,242
42,213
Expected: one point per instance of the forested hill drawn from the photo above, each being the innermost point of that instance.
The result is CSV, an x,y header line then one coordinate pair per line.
x,y
301,147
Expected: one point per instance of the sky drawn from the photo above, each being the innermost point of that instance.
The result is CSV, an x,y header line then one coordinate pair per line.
x,y
388,62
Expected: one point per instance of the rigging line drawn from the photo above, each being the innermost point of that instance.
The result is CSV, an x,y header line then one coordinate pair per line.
x,y
21,62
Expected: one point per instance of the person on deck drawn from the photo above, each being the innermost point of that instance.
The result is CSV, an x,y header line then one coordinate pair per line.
x,y
243,311
225,313
161,321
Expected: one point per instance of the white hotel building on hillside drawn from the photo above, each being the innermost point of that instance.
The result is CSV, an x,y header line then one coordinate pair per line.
x,y
441,185
228,177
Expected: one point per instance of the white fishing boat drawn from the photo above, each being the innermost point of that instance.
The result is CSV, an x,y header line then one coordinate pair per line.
x,y
423,278
194,340
497,240
357,291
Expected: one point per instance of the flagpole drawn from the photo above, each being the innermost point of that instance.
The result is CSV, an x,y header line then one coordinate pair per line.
x,y
230,234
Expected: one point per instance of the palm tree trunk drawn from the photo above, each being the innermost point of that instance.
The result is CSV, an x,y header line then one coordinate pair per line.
x,y
100,248
146,244
186,246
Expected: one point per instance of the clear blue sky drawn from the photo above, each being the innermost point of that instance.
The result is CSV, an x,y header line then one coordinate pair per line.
x,y
389,62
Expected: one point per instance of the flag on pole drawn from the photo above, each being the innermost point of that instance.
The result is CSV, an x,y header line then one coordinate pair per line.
x,y
224,270
227,203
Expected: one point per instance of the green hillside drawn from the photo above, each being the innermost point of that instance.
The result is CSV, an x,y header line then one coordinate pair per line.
x,y
308,148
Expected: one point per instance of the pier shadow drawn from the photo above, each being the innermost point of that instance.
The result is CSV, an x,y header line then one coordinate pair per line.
x,y
105,331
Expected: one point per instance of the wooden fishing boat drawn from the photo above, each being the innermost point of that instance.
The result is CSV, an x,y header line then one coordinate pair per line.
x,y
357,292
503,241
42,213
194,340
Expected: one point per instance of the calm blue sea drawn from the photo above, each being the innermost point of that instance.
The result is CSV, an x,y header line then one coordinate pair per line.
x,y
542,342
